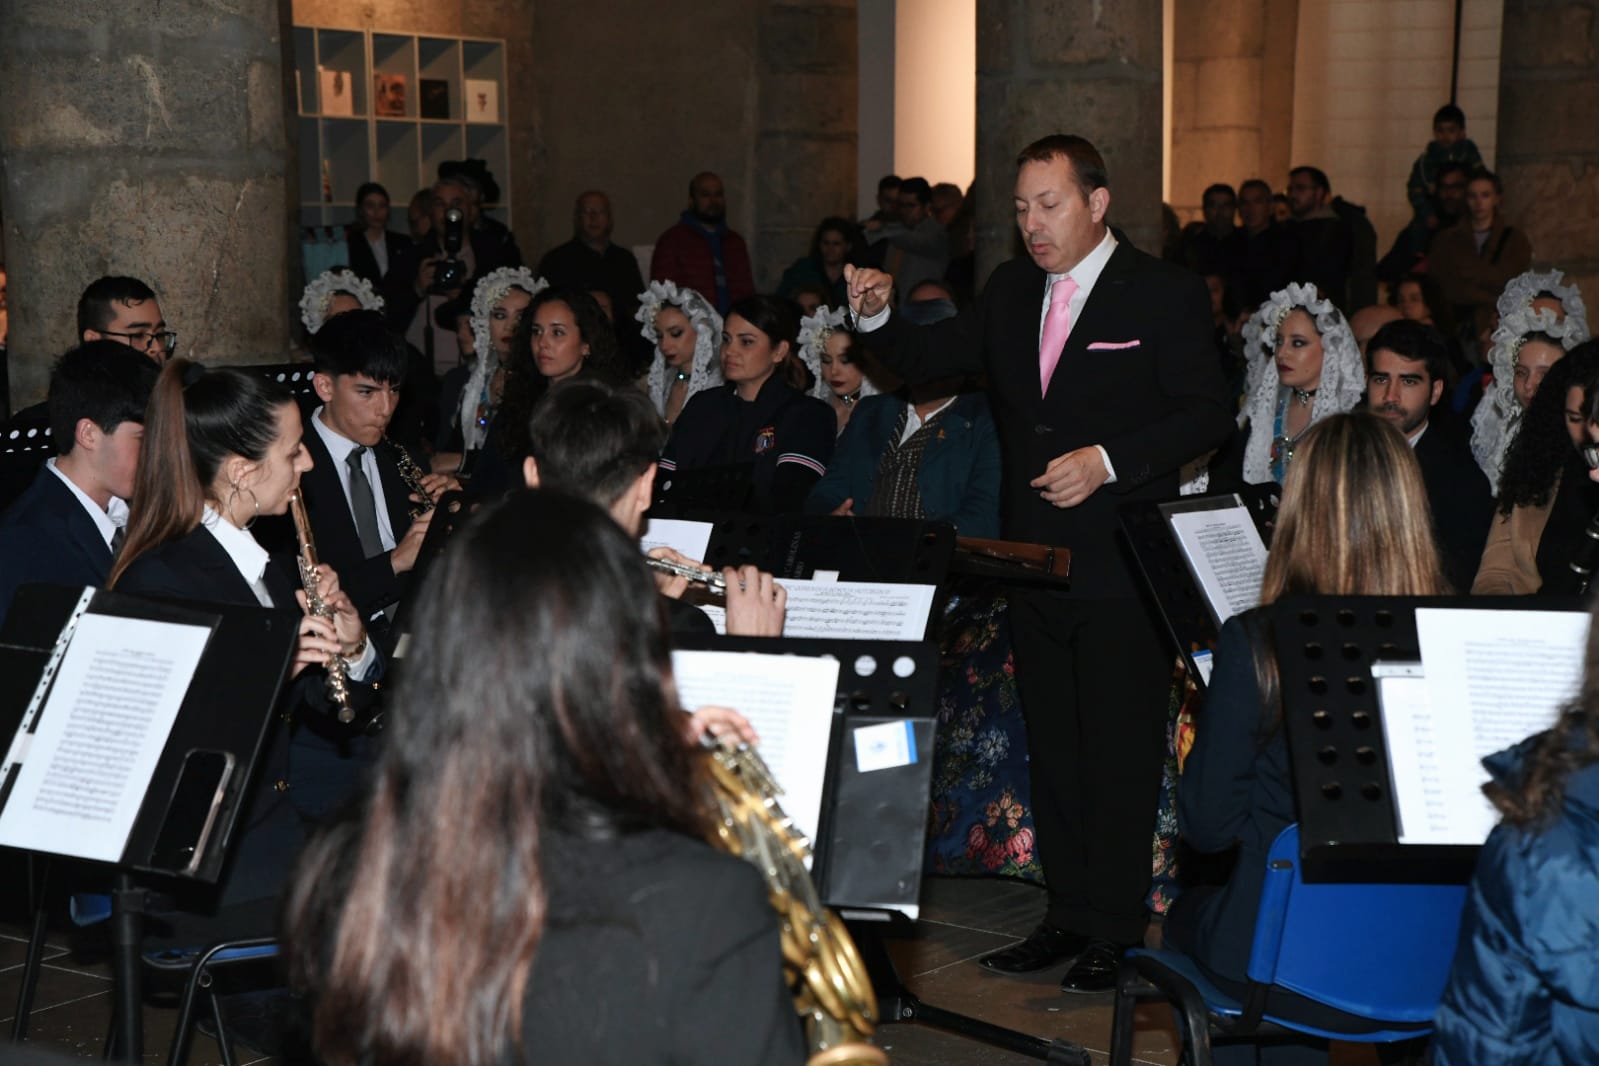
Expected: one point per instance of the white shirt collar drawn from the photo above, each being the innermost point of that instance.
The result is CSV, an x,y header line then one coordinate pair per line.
x,y
248,557
339,446
108,521
1087,271
1413,441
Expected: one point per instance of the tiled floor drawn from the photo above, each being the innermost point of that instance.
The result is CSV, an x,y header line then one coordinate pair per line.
x,y
960,921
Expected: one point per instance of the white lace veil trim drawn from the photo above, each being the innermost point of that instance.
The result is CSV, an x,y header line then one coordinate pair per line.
x,y
1342,386
813,333
320,292
1497,419
706,371
1524,288
490,290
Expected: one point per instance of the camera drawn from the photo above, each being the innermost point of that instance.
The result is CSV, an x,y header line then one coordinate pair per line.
x,y
451,271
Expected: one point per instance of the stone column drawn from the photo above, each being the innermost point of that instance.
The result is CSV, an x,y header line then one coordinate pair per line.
x,y
1069,66
1548,152
806,124
145,138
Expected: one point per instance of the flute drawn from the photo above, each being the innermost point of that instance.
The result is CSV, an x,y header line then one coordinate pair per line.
x,y
712,580
338,669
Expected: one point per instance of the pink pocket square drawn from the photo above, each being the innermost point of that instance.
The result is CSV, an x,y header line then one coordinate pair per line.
x,y
1114,346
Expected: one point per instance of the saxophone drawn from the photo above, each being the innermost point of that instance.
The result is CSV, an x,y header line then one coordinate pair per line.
x,y
832,991
338,669
412,475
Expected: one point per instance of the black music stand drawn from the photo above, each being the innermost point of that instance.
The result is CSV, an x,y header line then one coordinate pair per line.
x,y
450,511
1188,617
869,847
1336,744
901,550
681,493
245,662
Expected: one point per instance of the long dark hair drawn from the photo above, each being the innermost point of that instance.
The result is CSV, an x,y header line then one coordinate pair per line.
x,y
1542,446
524,385
545,702
197,418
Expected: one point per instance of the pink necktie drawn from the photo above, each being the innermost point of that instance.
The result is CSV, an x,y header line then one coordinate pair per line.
x,y
1057,323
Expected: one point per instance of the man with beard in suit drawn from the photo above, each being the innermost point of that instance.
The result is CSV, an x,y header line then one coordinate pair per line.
x,y
1103,384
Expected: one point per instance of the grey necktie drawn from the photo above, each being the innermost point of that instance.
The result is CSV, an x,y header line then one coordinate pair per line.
x,y
364,506
118,537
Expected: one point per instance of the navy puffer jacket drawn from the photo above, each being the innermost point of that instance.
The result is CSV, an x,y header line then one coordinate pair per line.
x,y
1525,984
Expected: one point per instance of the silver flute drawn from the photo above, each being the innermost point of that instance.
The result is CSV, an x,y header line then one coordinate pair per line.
x,y
699,575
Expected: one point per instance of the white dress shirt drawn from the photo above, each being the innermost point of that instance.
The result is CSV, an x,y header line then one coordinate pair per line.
x,y
340,447
1086,273
914,421
250,559
113,518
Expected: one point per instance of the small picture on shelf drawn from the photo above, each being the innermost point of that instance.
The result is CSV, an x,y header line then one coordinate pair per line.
x,y
338,96
482,100
433,95
389,96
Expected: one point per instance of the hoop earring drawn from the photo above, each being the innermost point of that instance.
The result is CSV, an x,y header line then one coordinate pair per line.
x,y
255,503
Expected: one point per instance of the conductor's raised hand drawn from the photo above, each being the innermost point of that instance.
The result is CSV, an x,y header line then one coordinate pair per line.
x,y
1070,479
868,289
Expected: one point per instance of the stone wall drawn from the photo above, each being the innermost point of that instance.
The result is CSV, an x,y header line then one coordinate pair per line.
x,y
144,138
1548,139
1068,66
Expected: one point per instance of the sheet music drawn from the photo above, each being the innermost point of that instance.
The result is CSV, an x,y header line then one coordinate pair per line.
x,y
1493,678
100,734
857,610
689,538
788,699
1226,556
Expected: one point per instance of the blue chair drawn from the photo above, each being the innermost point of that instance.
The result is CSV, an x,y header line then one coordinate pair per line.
x,y
1374,957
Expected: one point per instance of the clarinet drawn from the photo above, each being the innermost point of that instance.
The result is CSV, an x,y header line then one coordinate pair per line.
x,y
411,474
338,669
1587,554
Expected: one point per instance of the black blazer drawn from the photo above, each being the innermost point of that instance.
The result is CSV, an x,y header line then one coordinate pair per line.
x,y
46,537
395,286
1462,503
1154,397
371,583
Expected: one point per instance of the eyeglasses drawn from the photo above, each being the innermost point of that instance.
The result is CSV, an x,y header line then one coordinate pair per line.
x,y
168,339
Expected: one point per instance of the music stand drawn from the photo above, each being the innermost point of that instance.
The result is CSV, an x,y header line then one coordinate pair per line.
x,y
868,851
1189,619
679,493
449,513
899,550
1337,748
245,661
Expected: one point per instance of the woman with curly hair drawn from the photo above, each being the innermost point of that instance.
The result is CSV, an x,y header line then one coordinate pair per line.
x,y
1545,501
687,334
832,353
1304,365
1522,987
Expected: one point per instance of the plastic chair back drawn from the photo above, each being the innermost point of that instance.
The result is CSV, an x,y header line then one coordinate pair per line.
x,y
1379,951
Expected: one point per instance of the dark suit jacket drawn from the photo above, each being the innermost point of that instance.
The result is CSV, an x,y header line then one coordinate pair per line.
x,y
394,286
46,537
1154,401
1462,503
371,583
958,477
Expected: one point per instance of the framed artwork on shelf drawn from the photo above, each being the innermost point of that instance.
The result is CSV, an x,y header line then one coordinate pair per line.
x,y
338,95
389,94
433,94
482,100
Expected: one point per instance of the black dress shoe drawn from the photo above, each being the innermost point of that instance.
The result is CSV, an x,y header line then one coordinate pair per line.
x,y
1045,947
1095,969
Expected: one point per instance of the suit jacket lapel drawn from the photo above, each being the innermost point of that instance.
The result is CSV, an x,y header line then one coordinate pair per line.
x,y
327,506
1102,308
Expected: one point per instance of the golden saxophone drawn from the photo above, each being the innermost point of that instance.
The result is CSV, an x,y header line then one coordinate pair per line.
x,y
412,475
832,991
338,669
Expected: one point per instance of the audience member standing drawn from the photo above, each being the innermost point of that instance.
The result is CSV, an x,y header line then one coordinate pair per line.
x,y
919,251
1449,148
382,256
591,261
1261,250
1208,245
1475,258
701,252
1324,243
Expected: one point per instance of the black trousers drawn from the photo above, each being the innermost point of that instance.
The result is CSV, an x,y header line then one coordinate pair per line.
x,y
1094,678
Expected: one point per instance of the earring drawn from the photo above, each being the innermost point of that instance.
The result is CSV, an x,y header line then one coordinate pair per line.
x,y
254,503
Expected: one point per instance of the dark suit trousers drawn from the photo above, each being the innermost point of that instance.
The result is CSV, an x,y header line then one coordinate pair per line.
x,y
1094,677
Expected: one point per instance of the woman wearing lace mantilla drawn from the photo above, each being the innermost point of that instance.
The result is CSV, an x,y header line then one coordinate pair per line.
x,y
828,349
333,292
687,334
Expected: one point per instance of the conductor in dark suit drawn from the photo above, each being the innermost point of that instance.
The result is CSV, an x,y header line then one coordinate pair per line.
x,y
355,496
1102,383
65,528
1406,364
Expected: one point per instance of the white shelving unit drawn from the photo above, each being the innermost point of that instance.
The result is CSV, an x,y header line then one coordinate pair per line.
x,y
403,152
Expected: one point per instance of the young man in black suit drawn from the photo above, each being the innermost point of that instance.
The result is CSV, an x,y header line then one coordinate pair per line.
x,y
1406,364
358,503
1103,385
66,527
